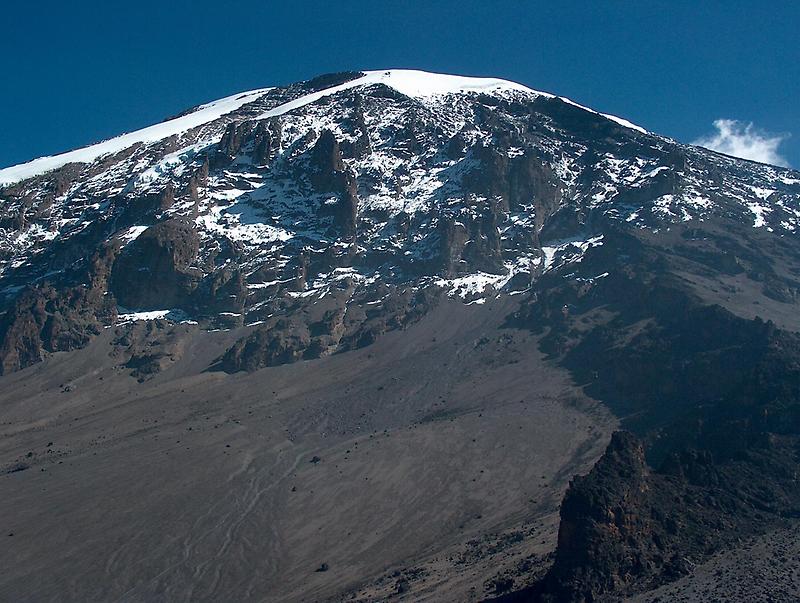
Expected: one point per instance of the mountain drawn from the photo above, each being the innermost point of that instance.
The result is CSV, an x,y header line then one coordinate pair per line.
x,y
349,339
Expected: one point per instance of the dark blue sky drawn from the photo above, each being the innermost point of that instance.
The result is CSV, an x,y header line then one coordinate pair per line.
x,y
78,72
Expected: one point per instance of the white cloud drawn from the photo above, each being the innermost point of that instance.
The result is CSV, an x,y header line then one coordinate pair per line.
x,y
744,140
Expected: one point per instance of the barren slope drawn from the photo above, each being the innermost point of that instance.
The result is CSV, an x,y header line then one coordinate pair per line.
x,y
225,487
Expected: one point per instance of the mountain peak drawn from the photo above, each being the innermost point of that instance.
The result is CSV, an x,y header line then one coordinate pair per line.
x,y
409,82
351,184
417,285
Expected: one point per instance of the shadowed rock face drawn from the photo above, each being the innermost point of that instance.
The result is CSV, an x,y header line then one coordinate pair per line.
x,y
626,528
46,318
715,399
282,343
258,142
610,534
155,271
328,174
600,516
49,320
519,181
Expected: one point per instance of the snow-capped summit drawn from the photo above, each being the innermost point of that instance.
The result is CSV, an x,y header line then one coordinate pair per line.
x,y
356,182
413,83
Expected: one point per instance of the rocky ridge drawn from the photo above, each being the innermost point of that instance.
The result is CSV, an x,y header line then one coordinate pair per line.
x,y
391,179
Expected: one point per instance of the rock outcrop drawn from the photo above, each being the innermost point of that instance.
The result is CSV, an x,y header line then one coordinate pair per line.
x,y
155,271
328,174
626,528
310,331
257,141
48,317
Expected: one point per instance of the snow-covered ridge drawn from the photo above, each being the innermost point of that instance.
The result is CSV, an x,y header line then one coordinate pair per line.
x,y
203,115
618,120
410,82
413,83
424,84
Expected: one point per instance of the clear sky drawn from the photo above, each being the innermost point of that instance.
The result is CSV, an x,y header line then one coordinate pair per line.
x,y
73,73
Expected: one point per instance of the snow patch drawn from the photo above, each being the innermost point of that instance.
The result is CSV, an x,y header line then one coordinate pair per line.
x,y
132,234
473,284
174,315
567,251
759,211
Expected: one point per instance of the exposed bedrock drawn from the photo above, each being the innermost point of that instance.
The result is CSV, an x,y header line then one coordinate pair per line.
x,y
336,325
57,318
328,174
155,271
519,180
715,401
258,141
